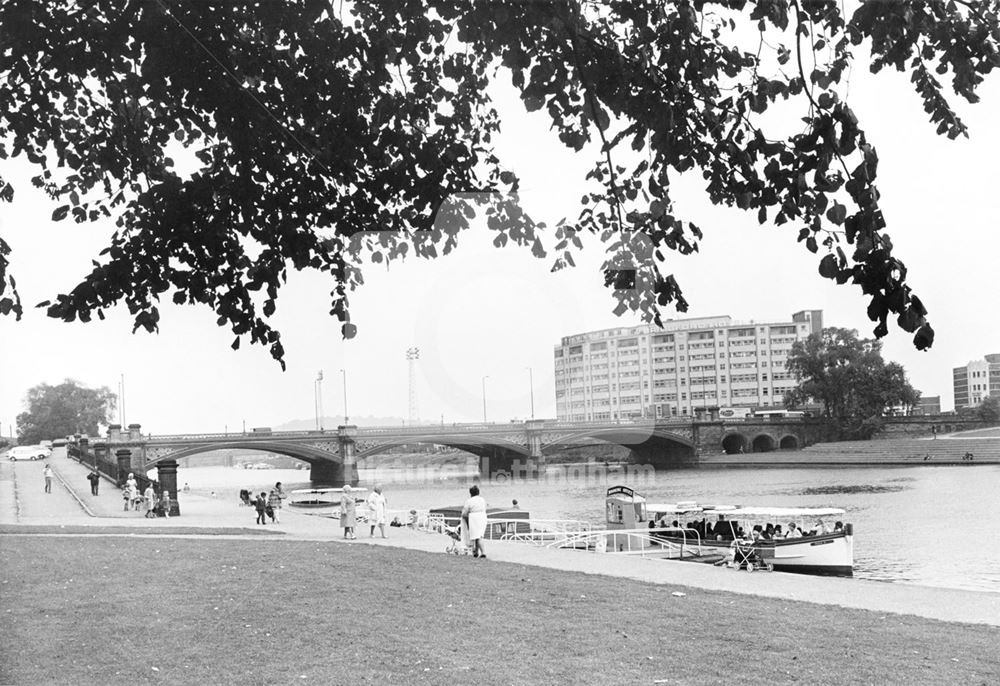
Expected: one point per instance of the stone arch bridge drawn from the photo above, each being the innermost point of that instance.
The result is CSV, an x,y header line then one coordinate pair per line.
x,y
519,449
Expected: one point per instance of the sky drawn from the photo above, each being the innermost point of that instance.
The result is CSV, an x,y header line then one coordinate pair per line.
x,y
497,313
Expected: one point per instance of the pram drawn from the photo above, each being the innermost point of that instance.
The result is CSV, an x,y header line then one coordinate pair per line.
x,y
456,546
747,556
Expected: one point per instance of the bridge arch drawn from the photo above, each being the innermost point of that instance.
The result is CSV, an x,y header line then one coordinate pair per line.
x,y
734,443
763,443
481,448
788,442
300,451
495,454
650,445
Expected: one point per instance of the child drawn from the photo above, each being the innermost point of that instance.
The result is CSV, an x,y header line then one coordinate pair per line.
x,y
165,504
260,504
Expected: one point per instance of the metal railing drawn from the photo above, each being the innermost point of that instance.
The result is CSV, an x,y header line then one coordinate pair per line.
x,y
441,429
660,542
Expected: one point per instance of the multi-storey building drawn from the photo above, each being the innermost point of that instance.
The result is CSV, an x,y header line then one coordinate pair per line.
x,y
976,380
646,371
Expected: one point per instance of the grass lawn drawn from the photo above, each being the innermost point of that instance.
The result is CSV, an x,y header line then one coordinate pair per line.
x,y
195,611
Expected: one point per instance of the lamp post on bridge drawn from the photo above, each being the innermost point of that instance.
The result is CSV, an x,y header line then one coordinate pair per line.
x,y
531,390
318,399
484,398
344,374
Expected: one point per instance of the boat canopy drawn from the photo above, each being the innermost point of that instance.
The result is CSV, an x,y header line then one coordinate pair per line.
x,y
739,511
325,490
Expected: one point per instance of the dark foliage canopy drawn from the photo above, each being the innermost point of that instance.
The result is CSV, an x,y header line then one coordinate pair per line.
x,y
64,410
989,409
848,376
333,133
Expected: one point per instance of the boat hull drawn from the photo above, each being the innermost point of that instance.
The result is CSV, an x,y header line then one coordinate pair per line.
x,y
823,555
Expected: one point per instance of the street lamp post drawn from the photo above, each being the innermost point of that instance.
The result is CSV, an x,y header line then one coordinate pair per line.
x,y
531,390
318,392
484,398
344,374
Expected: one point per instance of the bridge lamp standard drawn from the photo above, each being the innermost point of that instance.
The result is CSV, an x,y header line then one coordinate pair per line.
x,y
318,399
343,373
484,398
531,391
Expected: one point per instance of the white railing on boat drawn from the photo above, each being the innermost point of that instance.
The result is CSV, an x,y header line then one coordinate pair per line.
x,y
661,542
534,531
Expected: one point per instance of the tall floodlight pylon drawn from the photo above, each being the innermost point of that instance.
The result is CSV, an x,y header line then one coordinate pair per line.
x,y
412,355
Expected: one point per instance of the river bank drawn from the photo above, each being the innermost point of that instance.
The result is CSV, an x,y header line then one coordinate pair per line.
x,y
215,599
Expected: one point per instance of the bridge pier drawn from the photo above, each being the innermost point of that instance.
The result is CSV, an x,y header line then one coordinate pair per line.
x,y
166,474
334,474
343,473
124,458
498,465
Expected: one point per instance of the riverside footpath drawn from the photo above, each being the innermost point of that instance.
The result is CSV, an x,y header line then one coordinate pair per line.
x,y
71,510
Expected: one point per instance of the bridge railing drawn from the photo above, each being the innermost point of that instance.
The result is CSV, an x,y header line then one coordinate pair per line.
x,y
240,436
438,429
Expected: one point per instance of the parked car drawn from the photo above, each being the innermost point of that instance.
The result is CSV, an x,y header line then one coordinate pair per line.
x,y
29,452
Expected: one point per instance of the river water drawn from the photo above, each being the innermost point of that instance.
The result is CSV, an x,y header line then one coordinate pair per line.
x,y
926,525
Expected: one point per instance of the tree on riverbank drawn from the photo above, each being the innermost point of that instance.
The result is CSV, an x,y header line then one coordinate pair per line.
x,y
848,376
328,138
64,410
989,409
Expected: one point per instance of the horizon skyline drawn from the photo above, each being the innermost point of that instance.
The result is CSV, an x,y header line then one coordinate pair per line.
x,y
403,421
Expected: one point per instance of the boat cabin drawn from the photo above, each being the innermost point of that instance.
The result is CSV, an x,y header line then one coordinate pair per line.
x,y
624,508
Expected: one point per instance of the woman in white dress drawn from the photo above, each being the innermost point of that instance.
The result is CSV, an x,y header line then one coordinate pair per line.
x,y
377,511
474,521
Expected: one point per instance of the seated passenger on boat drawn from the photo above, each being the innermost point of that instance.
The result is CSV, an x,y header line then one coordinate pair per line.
x,y
726,529
793,531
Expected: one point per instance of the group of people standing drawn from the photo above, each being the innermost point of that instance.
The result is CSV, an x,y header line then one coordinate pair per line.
x,y
378,510
156,505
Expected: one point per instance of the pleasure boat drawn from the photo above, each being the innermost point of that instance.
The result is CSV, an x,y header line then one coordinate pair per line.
x,y
710,532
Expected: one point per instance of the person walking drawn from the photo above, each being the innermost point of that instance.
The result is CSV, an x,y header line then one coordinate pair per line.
x,y
95,480
474,522
47,473
274,499
150,495
130,481
377,510
165,504
260,504
348,519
